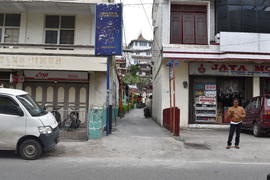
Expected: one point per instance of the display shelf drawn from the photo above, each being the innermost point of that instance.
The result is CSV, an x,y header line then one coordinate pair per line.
x,y
205,115
206,108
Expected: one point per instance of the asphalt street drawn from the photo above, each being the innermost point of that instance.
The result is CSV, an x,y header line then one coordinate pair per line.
x,y
88,169
139,149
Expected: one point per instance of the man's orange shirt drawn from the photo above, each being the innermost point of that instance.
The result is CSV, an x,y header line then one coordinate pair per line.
x,y
236,114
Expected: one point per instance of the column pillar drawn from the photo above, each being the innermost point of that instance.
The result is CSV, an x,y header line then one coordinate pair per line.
x,y
256,86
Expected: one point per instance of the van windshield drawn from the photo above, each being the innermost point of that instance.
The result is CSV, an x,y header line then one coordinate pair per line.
x,y
32,107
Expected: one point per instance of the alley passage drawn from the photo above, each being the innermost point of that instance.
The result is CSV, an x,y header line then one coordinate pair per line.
x,y
134,124
140,138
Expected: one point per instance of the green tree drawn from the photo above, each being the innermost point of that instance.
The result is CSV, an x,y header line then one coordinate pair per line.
x,y
133,79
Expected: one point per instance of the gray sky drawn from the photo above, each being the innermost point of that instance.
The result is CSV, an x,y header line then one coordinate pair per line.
x,y
135,20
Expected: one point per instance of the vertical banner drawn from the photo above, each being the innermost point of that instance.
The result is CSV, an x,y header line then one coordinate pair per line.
x,y
108,29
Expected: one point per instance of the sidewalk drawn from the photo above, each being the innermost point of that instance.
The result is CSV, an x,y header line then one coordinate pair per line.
x,y
138,138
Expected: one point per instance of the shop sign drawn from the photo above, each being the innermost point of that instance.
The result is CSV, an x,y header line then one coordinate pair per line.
x,y
108,29
16,79
207,100
260,70
210,93
56,75
210,87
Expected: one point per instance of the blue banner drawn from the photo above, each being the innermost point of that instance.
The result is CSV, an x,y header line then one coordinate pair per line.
x,y
108,29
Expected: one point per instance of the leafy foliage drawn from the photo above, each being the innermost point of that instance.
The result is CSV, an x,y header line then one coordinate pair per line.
x,y
133,79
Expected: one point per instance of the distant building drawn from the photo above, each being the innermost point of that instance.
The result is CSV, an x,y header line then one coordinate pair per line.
x,y
121,66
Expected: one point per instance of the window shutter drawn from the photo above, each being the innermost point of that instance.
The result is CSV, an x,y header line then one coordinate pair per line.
x,y
201,28
188,28
176,28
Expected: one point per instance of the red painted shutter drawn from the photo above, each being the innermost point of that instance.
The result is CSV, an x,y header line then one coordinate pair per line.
x,y
188,28
176,28
201,28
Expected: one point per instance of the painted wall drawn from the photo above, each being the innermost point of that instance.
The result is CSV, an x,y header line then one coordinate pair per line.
x,y
32,28
97,89
256,86
244,42
74,63
157,98
161,93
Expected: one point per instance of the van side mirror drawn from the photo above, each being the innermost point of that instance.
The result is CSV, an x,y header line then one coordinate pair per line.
x,y
46,107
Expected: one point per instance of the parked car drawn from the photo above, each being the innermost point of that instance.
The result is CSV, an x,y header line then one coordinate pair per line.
x,y
258,115
24,126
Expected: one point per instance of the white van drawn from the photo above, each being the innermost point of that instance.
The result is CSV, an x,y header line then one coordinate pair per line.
x,y
24,126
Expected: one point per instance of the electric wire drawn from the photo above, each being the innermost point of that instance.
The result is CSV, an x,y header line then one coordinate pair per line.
x,y
125,37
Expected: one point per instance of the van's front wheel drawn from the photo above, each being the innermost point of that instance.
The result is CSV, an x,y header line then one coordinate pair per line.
x,y
30,149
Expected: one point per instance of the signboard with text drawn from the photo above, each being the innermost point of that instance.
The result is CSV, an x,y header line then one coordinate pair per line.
x,y
108,30
223,69
56,75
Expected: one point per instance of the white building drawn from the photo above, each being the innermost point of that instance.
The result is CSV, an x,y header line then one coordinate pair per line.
x,y
48,47
223,52
139,50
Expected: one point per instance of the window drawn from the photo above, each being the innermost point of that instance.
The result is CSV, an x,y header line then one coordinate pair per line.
x,y
8,106
59,29
243,16
10,28
188,24
143,44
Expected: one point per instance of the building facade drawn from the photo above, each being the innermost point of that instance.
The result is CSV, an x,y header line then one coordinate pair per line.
x,y
222,52
47,49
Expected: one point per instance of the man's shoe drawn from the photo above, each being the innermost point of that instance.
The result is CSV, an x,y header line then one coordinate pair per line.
x,y
237,147
228,147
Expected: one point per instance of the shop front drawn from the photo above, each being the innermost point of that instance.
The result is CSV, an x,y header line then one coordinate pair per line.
x,y
62,92
213,86
9,79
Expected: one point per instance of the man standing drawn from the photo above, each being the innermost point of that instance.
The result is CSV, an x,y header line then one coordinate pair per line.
x,y
236,114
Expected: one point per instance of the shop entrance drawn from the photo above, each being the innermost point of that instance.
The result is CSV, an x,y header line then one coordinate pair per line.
x,y
212,96
63,100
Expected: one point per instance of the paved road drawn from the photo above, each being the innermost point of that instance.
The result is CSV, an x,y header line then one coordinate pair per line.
x,y
88,169
140,149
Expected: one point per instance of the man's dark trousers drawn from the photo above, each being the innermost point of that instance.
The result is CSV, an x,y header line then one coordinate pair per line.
x,y
237,129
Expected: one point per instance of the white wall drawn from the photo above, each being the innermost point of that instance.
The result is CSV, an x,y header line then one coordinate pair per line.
x,y
256,86
244,42
182,94
161,96
32,28
157,99
97,89
35,28
83,31
74,63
